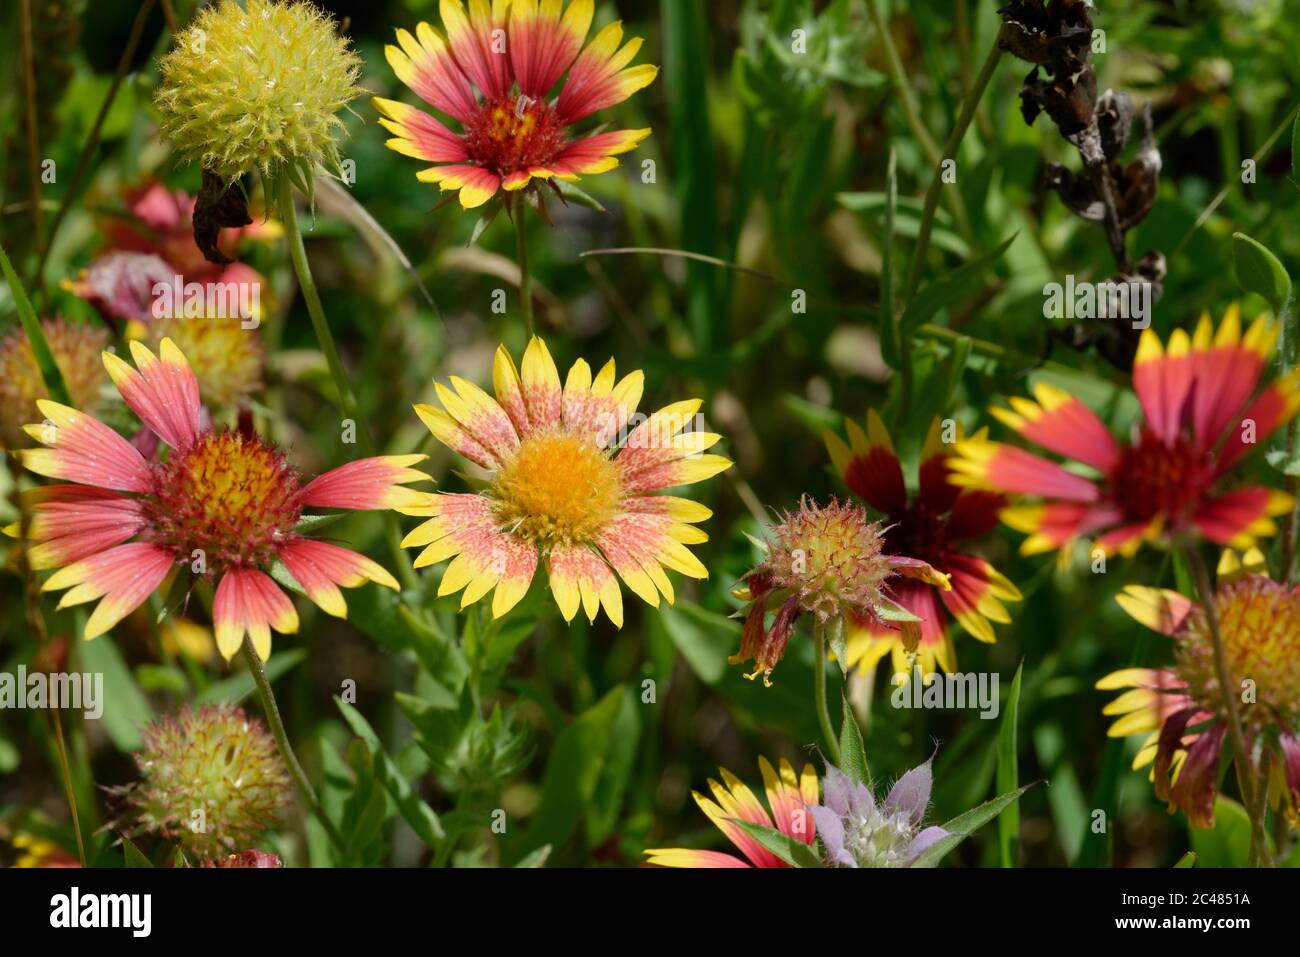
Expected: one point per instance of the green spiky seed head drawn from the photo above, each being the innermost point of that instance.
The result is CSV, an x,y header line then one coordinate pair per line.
x,y
258,89
211,780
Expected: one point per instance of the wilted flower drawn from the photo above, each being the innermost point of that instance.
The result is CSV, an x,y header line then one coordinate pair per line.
x,y
76,350
927,526
1183,707
829,562
787,795
258,89
211,780
511,134
1202,415
224,503
858,832
562,491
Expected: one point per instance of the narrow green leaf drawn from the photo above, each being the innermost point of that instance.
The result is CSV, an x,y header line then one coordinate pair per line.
x,y
238,687
1227,844
413,809
31,325
963,825
1187,860
950,288
1008,776
789,849
889,339
134,856
126,710
853,752
536,858
1260,272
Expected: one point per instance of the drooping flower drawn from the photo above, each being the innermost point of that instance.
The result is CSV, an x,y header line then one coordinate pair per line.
x,y
492,73
789,798
258,89
1182,708
1203,411
211,780
149,245
927,526
76,350
827,561
226,504
856,831
563,490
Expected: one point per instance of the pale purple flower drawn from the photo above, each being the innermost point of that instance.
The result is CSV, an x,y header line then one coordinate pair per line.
x,y
857,832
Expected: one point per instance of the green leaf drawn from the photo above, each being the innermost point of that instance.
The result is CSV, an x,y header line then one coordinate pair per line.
x,y
535,858
1008,776
1227,844
1295,150
853,753
239,687
31,325
704,639
892,611
949,289
964,825
413,809
789,849
134,857
579,197
126,710
1187,860
607,801
573,772
1260,272
889,344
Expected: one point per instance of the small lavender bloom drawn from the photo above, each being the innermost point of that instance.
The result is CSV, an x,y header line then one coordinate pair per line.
x,y
855,831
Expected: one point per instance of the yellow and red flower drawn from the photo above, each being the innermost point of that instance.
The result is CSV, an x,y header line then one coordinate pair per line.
x,y
225,503
1182,708
927,526
492,73
1203,411
563,489
789,798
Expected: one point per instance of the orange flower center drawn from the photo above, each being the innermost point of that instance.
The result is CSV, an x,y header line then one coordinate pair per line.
x,y
227,500
513,133
1156,479
1259,620
558,488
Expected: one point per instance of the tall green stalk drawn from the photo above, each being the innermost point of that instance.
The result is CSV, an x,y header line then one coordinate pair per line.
x,y
819,695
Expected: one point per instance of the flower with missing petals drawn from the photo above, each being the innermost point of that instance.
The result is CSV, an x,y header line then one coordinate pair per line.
x,y
563,490
829,562
789,798
934,525
1182,708
211,780
856,831
1203,412
258,89
225,504
492,73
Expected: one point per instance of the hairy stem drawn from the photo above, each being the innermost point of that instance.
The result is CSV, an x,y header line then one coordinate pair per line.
x,y
1245,766
276,724
819,695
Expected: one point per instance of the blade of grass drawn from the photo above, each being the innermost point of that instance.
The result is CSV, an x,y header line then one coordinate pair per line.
x,y
31,325
1008,777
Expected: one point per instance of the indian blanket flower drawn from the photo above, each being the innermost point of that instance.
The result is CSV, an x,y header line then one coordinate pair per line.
x,y
75,347
563,491
258,89
1203,411
827,561
1182,708
858,831
491,73
226,504
934,526
789,798
216,767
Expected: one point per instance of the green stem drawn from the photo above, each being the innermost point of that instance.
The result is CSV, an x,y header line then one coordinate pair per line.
x,y
325,339
1245,766
525,277
950,148
273,719
819,695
